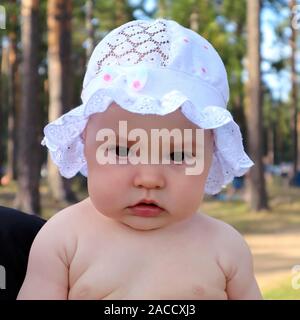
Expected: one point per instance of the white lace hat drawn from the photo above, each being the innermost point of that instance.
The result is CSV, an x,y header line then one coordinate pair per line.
x,y
154,67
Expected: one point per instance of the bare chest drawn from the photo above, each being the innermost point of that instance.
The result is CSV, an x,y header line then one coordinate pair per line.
x,y
169,270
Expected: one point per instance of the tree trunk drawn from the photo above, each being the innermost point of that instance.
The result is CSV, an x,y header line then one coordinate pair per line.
x,y
2,160
4,110
59,73
12,142
120,12
89,6
162,9
295,116
269,137
253,101
28,197
194,20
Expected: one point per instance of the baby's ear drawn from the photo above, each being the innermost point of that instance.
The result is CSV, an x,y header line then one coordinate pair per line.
x,y
83,135
210,136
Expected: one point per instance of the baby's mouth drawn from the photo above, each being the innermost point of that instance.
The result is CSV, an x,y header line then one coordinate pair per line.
x,y
146,208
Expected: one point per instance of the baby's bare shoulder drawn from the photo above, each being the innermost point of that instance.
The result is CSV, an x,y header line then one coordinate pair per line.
x,y
69,216
231,245
59,233
226,235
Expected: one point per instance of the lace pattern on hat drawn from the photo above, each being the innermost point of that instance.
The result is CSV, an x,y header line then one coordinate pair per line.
x,y
136,43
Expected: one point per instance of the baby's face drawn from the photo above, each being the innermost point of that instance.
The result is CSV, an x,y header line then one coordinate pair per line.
x,y
115,189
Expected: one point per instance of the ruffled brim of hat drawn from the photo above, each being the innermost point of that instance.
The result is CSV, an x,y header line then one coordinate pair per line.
x,y
63,136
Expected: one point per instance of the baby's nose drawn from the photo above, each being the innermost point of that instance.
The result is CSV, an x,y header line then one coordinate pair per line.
x,y
149,177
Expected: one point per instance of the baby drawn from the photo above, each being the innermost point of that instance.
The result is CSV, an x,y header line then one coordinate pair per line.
x,y
138,235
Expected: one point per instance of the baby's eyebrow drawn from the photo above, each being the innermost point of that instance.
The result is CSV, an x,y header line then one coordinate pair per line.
x,y
120,139
172,141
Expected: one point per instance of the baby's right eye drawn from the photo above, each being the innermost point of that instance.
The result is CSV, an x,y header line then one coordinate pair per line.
x,y
120,151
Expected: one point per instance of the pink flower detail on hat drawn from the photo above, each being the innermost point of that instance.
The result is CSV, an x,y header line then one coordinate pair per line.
x,y
108,74
136,77
136,84
203,70
107,77
186,40
205,47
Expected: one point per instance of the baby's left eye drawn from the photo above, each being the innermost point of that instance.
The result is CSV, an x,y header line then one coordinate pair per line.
x,y
179,156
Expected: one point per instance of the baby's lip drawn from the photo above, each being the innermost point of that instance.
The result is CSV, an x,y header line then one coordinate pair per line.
x,y
147,201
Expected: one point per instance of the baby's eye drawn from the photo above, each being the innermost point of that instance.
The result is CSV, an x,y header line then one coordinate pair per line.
x,y
180,156
120,151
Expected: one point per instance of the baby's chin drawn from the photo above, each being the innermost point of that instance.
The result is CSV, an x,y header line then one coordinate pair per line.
x,y
145,223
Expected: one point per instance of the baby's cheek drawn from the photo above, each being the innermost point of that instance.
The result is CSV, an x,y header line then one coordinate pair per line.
x,y
190,191
106,183
102,195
